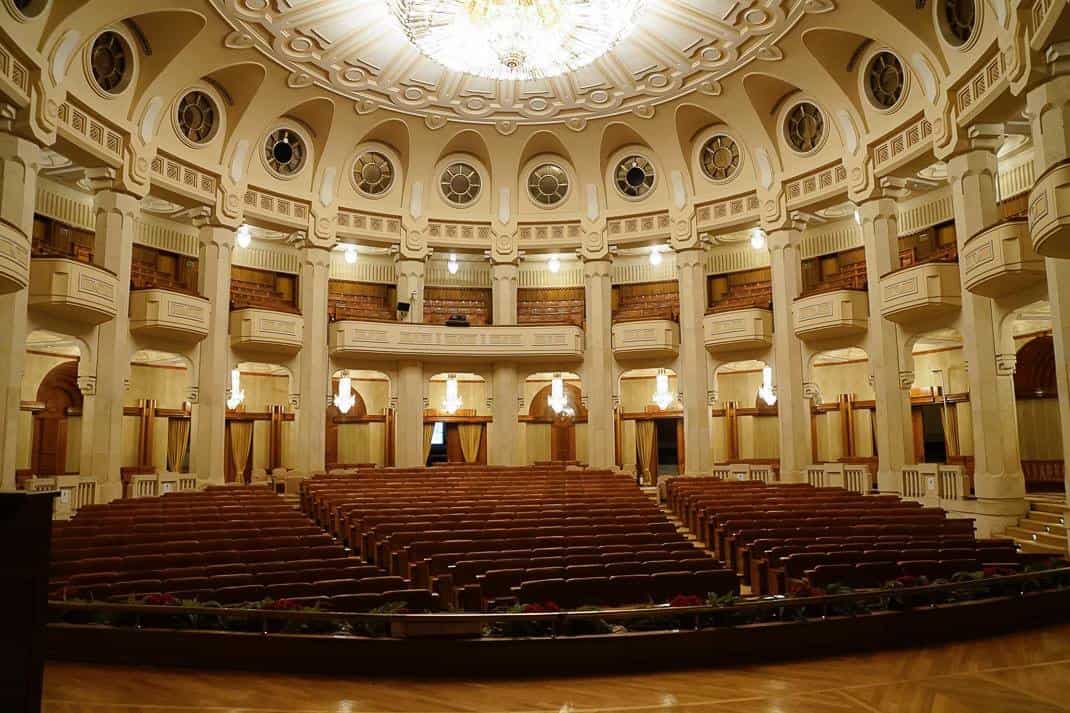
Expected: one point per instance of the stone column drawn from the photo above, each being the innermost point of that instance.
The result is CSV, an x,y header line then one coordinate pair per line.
x,y
1049,111
693,379
410,414
504,435
410,275
314,376
598,362
793,410
18,187
213,372
892,427
503,282
997,469
113,248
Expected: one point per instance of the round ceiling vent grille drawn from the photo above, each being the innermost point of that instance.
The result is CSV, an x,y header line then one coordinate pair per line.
x,y
284,152
548,184
804,127
373,173
110,62
885,80
635,176
198,117
720,158
460,183
958,20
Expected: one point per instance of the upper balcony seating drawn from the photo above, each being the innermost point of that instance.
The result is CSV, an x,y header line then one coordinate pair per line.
x,y
54,239
145,276
348,300
482,537
780,536
751,294
551,306
642,302
244,294
442,303
850,277
946,253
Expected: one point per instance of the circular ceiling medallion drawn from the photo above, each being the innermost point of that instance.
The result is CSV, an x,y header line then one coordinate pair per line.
x,y
110,62
635,176
885,80
804,127
284,152
720,158
373,173
958,19
548,184
197,117
460,184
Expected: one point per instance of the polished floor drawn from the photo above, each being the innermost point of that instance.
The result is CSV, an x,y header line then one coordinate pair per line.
x,y
1021,673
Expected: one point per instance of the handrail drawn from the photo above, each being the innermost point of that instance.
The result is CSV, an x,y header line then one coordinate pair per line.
x,y
757,605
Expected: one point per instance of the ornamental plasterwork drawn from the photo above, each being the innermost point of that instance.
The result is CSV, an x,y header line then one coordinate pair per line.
x,y
355,48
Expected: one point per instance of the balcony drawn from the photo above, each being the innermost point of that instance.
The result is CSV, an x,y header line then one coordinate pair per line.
x,y
646,339
1049,213
1001,260
172,315
919,291
738,329
399,340
14,252
836,313
73,290
266,330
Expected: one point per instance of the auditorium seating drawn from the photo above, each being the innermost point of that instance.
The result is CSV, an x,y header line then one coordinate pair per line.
x,y
782,536
245,294
564,305
650,300
441,303
751,294
358,300
228,545
481,537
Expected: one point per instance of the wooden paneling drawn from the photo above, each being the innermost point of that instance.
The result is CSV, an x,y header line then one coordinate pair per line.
x,y
261,288
551,305
348,300
441,303
736,290
646,300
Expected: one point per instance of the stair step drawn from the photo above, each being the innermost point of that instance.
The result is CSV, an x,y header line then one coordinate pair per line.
x,y
1054,507
1057,541
1028,546
1048,518
1028,523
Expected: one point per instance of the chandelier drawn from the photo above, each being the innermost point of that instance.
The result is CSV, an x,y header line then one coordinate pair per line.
x,y
515,39
557,400
237,394
766,392
344,400
453,400
663,398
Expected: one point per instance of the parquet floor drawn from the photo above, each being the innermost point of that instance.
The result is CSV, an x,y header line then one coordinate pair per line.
x,y
1021,673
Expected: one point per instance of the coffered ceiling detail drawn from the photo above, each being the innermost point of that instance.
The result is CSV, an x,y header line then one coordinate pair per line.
x,y
355,48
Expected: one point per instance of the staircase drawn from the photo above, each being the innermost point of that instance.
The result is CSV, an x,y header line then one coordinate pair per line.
x,y
1043,529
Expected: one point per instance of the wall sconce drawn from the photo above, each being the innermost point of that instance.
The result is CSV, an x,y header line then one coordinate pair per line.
x,y
244,236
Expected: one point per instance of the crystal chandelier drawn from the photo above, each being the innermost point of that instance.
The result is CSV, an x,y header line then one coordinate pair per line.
x,y
766,392
557,400
663,398
515,39
237,394
453,400
344,400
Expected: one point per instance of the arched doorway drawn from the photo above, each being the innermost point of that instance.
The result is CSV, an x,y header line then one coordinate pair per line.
x,y
652,423
745,427
455,422
940,400
361,434
57,397
553,430
842,407
1036,400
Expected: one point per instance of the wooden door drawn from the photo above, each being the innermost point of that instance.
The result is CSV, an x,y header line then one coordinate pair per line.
x,y
563,440
59,394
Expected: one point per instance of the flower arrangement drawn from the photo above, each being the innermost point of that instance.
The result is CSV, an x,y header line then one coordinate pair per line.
x,y
686,600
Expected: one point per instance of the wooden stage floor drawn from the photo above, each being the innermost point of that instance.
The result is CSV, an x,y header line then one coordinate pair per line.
x,y
1021,673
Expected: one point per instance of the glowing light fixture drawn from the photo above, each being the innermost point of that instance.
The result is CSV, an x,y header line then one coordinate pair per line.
x,y
244,236
757,239
351,254
858,216
765,391
558,400
237,394
663,398
515,39
553,264
452,265
344,400
453,400
655,255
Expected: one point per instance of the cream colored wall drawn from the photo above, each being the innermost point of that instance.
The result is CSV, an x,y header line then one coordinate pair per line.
x,y
361,443
36,368
1039,435
537,441
953,364
635,392
738,386
263,391
376,394
165,384
473,394
848,378
758,437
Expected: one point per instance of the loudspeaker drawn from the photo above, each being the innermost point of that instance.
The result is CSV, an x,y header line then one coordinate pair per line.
x,y
404,307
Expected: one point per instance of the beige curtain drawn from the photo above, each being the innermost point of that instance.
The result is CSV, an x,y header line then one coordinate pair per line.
x,y
177,443
645,433
950,418
429,433
470,434
241,438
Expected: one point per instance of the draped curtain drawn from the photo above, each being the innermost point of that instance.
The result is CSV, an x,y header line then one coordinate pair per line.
x,y
645,434
241,440
470,434
949,417
429,434
177,443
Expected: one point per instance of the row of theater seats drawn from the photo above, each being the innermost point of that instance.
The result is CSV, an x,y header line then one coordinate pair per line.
x,y
784,536
228,545
481,536
751,294
341,307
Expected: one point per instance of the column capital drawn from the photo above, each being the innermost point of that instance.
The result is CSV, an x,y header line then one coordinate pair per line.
x,y
315,255
783,238
691,257
598,267
211,234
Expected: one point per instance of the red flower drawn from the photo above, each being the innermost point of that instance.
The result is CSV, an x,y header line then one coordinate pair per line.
x,y
997,571
907,580
686,600
803,589
282,604
544,608
160,600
